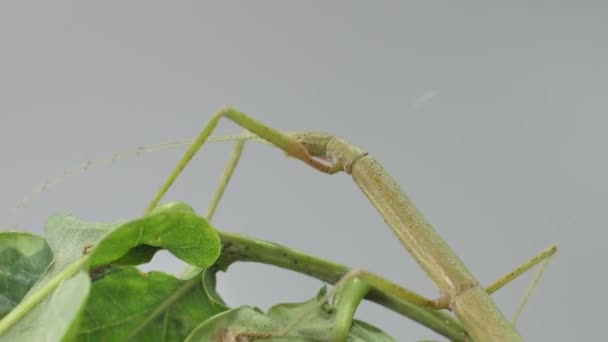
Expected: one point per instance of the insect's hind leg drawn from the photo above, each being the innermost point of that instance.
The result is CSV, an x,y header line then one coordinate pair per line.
x,y
542,258
544,255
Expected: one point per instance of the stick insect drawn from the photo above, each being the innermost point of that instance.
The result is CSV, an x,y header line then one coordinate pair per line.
x,y
459,290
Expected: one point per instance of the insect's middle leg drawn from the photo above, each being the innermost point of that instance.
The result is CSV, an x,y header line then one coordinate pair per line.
x,y
225,178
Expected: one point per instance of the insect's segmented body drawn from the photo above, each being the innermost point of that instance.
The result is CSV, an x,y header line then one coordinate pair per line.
x,y
459,288
460,291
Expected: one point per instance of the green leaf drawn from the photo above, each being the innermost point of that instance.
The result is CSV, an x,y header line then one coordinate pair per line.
x,y
154,306
210,279
139,255
314,323
183,233
24,257
56,317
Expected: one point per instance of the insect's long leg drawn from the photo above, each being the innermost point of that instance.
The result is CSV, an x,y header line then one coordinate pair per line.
x,y
354,286
225,178
287,143
544,255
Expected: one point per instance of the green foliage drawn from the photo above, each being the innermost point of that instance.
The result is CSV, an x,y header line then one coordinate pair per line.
x,y
52,305
186,235
62,304
305,322
74,285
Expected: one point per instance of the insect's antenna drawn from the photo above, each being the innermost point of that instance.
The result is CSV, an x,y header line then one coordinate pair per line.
x,y
89,165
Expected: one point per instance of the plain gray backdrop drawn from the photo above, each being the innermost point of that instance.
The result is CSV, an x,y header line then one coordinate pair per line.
x,y
492,118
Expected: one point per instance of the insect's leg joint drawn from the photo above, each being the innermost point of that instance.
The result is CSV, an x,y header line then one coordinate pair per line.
x,y
340,152
440,303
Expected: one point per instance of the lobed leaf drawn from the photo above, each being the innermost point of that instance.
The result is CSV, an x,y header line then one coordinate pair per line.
x,y
51,310
183,233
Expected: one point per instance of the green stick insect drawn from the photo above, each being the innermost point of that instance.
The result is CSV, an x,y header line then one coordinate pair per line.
x,y
478,318
460,291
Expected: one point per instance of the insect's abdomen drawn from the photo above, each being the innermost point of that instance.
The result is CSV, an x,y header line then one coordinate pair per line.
x,y
471,304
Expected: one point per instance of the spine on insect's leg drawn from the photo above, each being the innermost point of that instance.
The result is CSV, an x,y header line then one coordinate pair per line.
x,y
471,304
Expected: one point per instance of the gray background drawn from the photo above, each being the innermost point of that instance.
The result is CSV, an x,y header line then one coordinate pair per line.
x,y
491,117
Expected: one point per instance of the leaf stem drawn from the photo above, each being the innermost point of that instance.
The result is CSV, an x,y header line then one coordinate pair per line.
x,y
241,248
346,304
